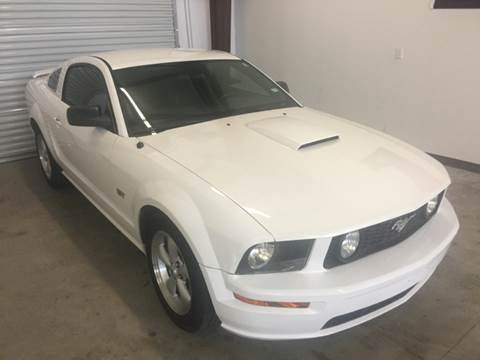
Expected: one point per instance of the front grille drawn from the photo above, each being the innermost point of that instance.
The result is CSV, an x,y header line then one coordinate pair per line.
x,y
379,236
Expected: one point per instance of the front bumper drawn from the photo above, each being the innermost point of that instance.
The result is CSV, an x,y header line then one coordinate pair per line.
x,y
373,283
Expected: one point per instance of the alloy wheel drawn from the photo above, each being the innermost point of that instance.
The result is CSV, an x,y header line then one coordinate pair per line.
x,y
44,157
171,273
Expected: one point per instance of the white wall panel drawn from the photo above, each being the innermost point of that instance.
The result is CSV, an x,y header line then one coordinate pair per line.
x,y
193,22
339,56
35,35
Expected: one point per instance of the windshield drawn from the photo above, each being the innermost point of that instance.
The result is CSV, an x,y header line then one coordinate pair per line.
x,y
159,97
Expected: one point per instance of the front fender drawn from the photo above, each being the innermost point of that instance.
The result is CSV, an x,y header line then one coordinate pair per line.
x,y
178,206
217,229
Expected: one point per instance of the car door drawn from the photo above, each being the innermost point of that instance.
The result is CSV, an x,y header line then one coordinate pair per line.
x,y
88,149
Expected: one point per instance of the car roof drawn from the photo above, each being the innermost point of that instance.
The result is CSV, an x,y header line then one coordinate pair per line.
x,y
119,59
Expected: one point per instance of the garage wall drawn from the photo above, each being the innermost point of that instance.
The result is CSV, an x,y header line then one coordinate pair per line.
x,y
340,56
193,23
40,34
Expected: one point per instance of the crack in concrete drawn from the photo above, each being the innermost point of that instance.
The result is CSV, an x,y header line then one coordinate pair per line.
x,y
460,340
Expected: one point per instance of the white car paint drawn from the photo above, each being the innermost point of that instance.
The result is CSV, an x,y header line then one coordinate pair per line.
x,y
270,179
231,183
121,59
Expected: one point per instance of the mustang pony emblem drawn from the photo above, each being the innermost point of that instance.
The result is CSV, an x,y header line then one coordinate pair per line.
x,y
400,224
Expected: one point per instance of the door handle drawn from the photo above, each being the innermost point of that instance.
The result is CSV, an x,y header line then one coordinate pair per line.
x,y
57,121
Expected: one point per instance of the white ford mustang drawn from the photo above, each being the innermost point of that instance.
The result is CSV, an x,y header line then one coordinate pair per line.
x,y
276,220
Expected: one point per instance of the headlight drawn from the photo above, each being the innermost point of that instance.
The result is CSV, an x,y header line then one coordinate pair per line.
x,y
432,205
350,244
260,255
279,256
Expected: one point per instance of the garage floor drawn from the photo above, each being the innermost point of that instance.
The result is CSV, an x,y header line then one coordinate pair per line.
x,y
72,287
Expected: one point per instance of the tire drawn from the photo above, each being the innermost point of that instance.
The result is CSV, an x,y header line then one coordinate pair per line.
x,y
196,316
50,169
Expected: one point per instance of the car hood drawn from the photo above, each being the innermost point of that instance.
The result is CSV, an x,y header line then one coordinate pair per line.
x,y
305,174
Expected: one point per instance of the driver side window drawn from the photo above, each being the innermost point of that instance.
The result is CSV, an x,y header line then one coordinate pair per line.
x,y
85,86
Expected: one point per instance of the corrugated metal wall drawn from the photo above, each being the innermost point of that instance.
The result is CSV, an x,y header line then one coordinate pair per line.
x,y
40,34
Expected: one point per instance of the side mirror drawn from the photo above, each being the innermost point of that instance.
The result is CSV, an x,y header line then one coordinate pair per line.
x,y
283,85
88,116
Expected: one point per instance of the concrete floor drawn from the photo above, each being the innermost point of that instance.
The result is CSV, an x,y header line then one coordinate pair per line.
x,y
72,287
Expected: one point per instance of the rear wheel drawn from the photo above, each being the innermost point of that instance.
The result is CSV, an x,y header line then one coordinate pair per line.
x,y
177,278
50,169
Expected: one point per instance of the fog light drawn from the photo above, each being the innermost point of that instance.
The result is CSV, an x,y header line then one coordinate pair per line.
x,y
350,244
432,205
260,255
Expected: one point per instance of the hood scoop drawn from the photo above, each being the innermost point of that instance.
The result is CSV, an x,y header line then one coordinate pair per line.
x,y
295,133
331,138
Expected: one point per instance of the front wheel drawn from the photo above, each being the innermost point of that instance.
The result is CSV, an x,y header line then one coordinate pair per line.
x,y
178,279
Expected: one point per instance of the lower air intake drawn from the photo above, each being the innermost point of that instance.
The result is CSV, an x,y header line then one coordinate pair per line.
x,y
342,319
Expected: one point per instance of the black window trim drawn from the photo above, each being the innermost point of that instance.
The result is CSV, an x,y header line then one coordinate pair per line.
x,y
82,64
116,87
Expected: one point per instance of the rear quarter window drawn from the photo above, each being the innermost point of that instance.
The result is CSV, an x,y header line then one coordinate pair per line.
x,y
53,79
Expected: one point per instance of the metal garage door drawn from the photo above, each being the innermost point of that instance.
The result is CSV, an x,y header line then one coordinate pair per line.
x,y
39,34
